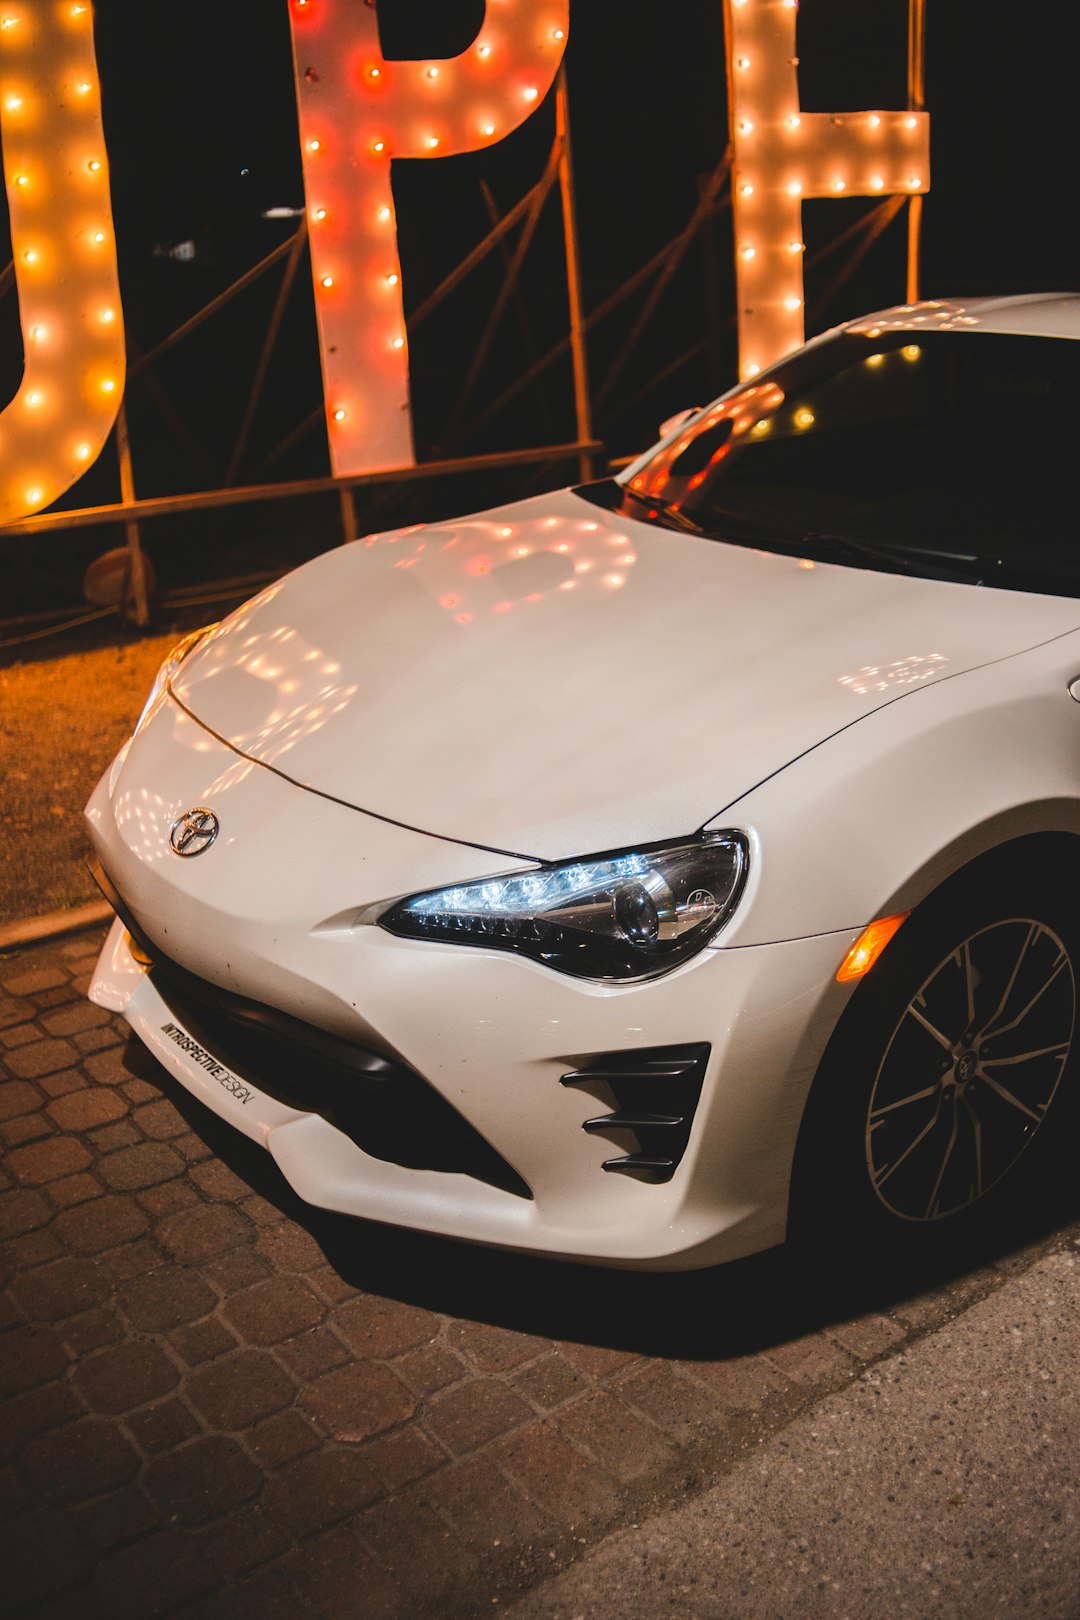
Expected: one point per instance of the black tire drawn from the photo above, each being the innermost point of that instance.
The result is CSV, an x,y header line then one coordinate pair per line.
x,y
926,1124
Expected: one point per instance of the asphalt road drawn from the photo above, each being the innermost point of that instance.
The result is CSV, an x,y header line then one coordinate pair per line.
x,y
941,1482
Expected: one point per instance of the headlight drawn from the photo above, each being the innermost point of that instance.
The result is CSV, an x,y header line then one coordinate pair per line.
x,y
168,670
625,916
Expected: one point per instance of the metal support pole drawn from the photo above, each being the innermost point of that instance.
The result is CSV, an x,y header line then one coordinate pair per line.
x,y
510,284
916,103
348,514
137,573
292,264
707,195
583,411
223,298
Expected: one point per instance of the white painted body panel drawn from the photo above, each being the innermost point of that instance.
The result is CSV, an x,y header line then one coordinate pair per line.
x,y
493,1033
429,709
587,719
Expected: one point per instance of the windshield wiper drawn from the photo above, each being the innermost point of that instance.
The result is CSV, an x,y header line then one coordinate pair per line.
x,y
672,515
907,559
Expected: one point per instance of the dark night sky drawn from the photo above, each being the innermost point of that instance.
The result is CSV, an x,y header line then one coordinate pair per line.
x,y
201,122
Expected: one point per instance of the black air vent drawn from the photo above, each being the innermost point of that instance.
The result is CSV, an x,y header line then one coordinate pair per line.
x,y
387,1109
656,1091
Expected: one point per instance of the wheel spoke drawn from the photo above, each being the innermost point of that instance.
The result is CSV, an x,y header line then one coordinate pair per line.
x,y
1060,1049
890,1169
1032,934
1040,992
976,1127
916,1096
933,1206
921,1018
1007,1096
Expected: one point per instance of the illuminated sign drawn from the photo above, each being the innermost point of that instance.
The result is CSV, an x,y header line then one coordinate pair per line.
x,y
357,112
64,253
781,155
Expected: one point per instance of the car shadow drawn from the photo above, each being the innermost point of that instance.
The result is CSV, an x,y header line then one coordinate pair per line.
x,y
726,1311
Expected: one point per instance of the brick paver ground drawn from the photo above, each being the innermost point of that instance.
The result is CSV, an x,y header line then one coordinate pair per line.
x,y
218,1402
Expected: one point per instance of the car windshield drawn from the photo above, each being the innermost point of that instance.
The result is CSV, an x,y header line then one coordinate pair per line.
x,y
943,454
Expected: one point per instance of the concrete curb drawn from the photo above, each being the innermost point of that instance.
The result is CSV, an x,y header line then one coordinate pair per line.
x,y
54,925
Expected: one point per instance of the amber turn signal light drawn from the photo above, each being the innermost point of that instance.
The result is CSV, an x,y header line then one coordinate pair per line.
x,y
868,947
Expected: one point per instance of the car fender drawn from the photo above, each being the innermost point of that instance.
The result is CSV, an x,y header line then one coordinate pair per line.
x,y
872,820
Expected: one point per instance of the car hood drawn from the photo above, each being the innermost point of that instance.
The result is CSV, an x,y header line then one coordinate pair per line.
x,y
549,679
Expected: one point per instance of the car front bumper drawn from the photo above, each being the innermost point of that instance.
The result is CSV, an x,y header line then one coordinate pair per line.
x,y
271,912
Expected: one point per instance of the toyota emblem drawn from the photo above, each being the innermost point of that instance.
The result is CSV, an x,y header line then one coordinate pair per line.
x,y
194,832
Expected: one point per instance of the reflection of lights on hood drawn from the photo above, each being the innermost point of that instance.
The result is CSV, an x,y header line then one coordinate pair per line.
x,y
902,672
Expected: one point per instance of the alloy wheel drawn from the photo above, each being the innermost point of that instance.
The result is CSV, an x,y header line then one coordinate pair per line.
x,y
970,1070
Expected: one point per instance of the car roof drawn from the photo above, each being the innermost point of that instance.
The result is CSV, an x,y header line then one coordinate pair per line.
x,y
1050,314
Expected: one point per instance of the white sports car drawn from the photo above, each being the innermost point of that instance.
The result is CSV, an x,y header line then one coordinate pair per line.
x,y
621,873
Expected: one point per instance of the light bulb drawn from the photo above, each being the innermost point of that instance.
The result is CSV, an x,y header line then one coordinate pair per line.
x,y
33,397
483,50
432,141
873,120
107,316
745,126
530,93
384,214
911,351
874,359
796,247
314,145
94,165
794,188
98,236
33,496
794,121
22,181
379,146
108,386
326,281
13,103
320,213
839,185
82,452
339,415
743,62
751,368
488,129
398,343
877,182
38,333
914,182
83,87
792,302
746,190
910,123
558,33
392,279
747,252
433,73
